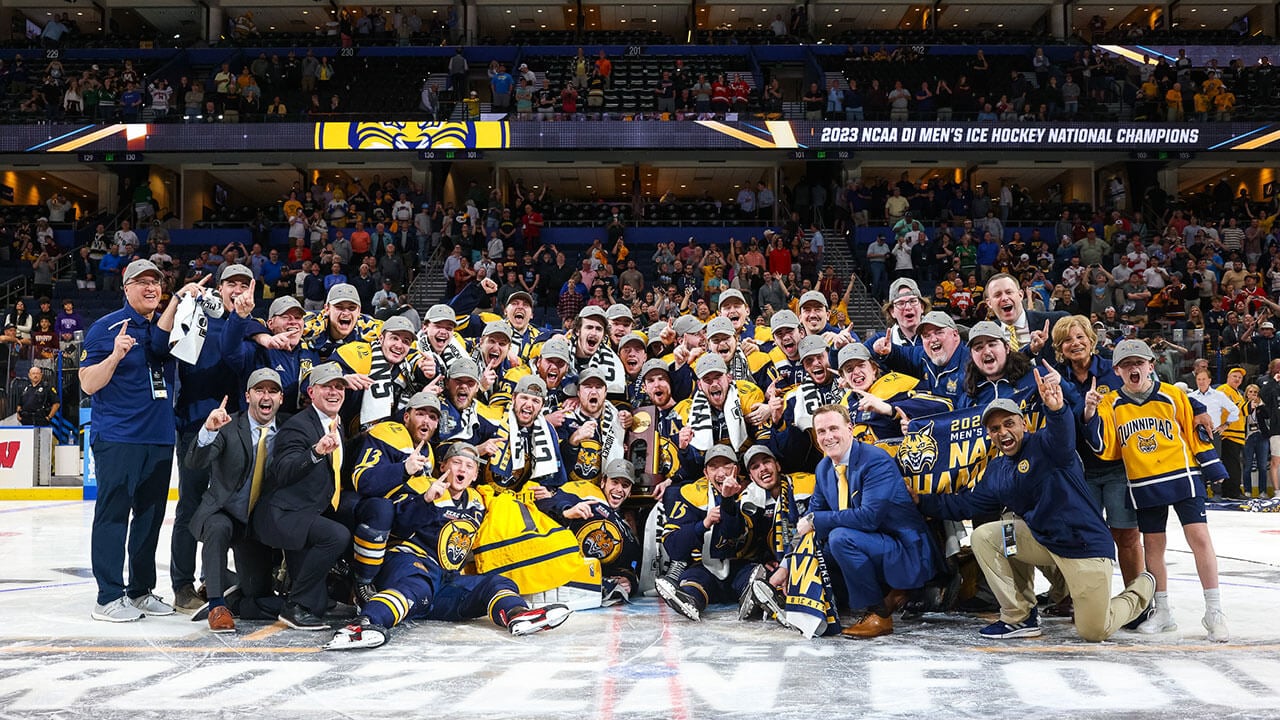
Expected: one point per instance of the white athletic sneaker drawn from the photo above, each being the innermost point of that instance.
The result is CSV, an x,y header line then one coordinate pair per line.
x,y
118,611
151,604
1161,621
1216,623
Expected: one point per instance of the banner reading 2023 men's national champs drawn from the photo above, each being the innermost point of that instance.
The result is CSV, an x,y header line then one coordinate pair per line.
x,y
708,135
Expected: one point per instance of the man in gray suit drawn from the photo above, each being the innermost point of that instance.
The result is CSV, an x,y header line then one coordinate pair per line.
x,y
236,447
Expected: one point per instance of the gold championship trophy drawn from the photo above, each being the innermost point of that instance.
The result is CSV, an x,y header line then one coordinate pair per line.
x,y
642,450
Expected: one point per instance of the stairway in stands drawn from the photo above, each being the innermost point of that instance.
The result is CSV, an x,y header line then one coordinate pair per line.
x,y
864,310
429,287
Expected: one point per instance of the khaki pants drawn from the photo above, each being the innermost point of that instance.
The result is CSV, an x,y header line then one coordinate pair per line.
x,y
1012,580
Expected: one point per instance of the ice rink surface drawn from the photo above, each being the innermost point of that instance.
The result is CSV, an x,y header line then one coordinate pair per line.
x,y
640,660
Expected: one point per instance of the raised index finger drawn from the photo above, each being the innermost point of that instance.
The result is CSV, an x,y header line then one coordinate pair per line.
x,y
124,327
223,406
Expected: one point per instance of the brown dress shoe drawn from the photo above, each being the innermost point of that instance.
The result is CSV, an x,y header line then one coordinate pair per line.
x,y
220,620
871,625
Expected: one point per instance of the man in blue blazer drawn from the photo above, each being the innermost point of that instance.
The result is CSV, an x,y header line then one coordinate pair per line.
x,y
875,539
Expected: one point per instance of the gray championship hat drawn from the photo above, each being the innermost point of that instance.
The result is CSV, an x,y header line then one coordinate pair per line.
x,y
531,385
325,373
463,368
620,468
709,363
591,373
399,323
655,332
1001,405
722,452
687,325
342,292
633,336
423,399
731,294
852,351
234,270
591,311
654,364
720,326
813,296
783,319
617,311
498,327
440,313
461,449
141,267
897,287
937,318
1126,349
756,451
812,345
558,349
262,375
987,329
284,304
520,295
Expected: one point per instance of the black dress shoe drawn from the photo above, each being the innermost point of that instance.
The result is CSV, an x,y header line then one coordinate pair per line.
x,y
300,618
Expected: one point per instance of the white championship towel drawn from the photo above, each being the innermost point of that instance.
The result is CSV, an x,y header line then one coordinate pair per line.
x,y
700,420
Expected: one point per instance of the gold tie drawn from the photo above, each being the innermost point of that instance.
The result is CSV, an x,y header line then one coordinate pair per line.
x,y
842,486
259,467
1014,343
335,459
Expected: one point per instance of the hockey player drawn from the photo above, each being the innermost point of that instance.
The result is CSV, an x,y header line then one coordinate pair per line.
x,y
723,340
721,411
708,538
1149,425
553,365
420,578
791,437
463,417
379,375
601,530
879,403
785,355
341,322
783,499
592,434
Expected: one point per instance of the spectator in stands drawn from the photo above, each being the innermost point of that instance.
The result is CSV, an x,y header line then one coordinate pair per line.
x,y
501,85
21,320
458,68
604,66
391,266
765,200
813,102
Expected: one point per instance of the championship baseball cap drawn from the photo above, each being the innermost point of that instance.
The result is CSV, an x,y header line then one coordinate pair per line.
x,y
852,351
720,326
498,327
284,304
520,295
757,451
812,345
633,336
987,329
938,318
783,319
897,287
655,332
1001,405
234,270
558,349
654,364
591,373
531,385
620,468
710,363
731,294
440,313
687,325
720,452
262,375
461,449
399,323
463,367
617,311
141,267
325,373
813,296
342,292
1126,349
424,399
591,311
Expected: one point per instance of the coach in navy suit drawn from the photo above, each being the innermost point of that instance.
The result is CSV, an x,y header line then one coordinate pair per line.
x,y
300,498
1029,330
874,535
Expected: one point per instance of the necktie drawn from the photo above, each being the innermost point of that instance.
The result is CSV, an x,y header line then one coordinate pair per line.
x,y
259,467
842,486
1014,343
335,459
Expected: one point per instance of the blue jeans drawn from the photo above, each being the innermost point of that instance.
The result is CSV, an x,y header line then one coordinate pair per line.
x,y
879,284
1257,455
133,489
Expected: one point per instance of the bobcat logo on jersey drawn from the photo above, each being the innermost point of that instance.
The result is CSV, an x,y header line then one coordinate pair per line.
x,y
588,464
455,542
1024,466
918,451
1147,444
600,539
